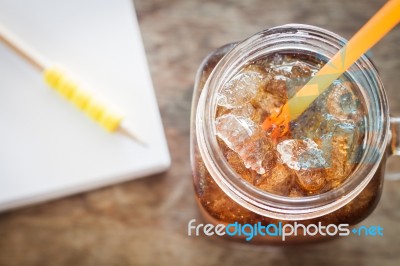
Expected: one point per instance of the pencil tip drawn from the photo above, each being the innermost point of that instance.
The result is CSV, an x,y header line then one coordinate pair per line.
x,y
132,136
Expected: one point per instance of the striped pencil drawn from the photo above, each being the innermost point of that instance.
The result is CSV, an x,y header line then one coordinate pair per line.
x,y
72,92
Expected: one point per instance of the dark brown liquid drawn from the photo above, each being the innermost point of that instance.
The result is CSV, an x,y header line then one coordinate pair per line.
x,y
322,146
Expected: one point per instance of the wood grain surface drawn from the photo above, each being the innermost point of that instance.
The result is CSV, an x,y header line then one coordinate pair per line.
x,y
144,222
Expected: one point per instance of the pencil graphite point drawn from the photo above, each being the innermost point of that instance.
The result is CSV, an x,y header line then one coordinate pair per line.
x,y
126,132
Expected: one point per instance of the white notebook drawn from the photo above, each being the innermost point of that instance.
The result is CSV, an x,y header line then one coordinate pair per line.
x,y
48,148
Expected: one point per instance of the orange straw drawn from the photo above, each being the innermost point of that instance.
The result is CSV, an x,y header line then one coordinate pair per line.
x,y
374,30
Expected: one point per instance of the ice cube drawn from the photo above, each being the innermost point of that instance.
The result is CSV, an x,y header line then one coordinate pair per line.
x,y
277,86
279,181
348,131
237,164
299,75
246,110
301,154
311,180
268,103
343,151
277,60
342,103
307,159
240,89
234,129
300,70
248,140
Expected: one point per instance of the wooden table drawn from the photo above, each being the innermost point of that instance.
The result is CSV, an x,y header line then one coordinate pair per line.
x,y
144,222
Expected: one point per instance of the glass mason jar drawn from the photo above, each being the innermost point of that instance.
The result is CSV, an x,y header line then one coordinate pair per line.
x,y
225,198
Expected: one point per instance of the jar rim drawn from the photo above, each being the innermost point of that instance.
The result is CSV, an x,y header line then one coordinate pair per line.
x,y
266,203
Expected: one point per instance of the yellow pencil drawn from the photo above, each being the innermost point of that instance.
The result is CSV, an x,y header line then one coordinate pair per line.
x,y
59,81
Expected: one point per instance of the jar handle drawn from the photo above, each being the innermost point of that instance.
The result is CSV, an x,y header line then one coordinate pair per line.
x,y
395,142
394,148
